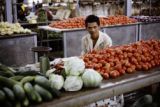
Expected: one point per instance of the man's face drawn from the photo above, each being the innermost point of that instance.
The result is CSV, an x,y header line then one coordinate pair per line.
x,y
93,29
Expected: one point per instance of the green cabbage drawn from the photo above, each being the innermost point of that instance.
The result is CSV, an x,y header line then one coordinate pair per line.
x,y
56,81
91,78
74,66
73,83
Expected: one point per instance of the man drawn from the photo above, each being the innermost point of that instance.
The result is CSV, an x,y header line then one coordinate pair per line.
x,y
97,40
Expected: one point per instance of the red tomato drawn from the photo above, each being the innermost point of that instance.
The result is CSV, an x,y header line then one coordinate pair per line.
x,y
105,75
114,73
94,60
122,71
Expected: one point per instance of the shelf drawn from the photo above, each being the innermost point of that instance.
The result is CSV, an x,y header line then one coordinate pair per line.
x,y
108,88
50,40
17,35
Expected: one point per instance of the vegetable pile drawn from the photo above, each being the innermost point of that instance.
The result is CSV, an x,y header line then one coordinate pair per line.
x,y
115,61
75,76
9,28
21,89
78,22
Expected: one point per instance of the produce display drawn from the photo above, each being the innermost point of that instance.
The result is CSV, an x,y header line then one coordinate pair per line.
x,y
21,89
115,61
78,22
9,29
75,75
26,87
147,19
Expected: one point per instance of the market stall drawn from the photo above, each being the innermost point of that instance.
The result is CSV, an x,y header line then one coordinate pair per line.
x,y
108,88
120,34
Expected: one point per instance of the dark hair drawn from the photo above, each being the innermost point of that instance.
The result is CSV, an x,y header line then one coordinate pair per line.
x,y
91,19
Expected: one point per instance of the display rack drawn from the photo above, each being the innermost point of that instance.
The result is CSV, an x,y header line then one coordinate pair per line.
x,y
108,88
120,34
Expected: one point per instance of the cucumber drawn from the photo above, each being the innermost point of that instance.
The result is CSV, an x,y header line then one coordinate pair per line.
x,y
44,82
25,102
30,91
5,74
2,96
38,97
8,72
7,82
28,73
45,94
19,91
17,77
17,104
56,93
7,104
9,93
27,79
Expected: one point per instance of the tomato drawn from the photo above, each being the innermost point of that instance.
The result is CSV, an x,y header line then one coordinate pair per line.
x,y
103,62
118,66
114,73
129,70
133,60
105,75
86,59
94,60
143,58
107,66
121,71
99,65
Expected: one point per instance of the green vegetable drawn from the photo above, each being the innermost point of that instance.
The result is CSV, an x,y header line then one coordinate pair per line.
x,y
73,83
9,93
91,78
74,66
6,71
25,102
42,81
28,73
45,94
17,77
38,97
7,82
29,91
2,96
56,81
19,91
27,79
7,103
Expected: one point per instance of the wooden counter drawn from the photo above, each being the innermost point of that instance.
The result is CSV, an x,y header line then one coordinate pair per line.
x,y
108,88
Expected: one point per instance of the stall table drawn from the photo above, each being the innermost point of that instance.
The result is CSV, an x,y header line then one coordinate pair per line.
x,y
108,88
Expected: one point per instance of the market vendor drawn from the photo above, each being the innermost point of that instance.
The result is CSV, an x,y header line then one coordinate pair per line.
x,y
97,40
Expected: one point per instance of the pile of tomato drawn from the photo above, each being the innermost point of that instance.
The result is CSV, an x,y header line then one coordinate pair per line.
x,y
78,22
116,61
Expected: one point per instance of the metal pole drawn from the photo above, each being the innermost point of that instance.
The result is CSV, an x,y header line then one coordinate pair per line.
x,y
9,10
128,7
14,7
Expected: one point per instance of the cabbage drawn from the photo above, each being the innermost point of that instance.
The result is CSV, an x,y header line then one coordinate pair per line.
x,y
73,83
91,78
56,81
74,66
